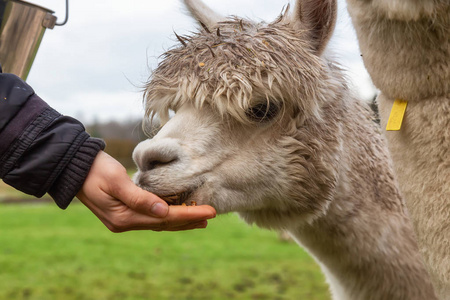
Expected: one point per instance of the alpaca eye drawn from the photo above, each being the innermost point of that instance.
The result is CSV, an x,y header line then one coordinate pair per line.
x,y
262,112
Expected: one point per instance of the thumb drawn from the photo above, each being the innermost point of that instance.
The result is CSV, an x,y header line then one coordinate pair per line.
x,y
142,201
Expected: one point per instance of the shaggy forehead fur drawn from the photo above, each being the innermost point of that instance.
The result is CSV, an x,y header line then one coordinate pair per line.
x,y
238,65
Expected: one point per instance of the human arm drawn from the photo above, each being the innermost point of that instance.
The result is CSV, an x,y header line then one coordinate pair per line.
x,y
42,151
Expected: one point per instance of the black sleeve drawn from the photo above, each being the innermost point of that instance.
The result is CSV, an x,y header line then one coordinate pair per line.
x,y
41,150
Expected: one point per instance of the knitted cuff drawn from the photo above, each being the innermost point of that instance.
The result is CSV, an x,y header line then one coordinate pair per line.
x,y
71,179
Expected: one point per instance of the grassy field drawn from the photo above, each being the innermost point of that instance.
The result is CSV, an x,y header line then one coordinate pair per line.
x,y
46,253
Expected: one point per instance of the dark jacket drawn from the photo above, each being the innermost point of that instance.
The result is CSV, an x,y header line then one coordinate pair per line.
x,y
41,151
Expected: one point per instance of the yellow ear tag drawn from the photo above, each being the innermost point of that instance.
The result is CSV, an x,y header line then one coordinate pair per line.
x,y
397,114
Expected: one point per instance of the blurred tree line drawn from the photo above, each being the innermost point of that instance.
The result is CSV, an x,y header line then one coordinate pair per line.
x,y
122,137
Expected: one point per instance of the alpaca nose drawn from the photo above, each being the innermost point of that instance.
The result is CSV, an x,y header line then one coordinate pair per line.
x,y
151,154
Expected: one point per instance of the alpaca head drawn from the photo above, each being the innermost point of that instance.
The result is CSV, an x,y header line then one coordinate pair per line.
x,y
251,102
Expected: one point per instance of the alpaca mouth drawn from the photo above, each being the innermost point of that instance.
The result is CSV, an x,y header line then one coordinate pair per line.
x,y
178,199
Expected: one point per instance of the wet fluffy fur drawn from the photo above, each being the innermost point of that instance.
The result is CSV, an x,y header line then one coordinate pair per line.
x,y
405,45
236,64
319,169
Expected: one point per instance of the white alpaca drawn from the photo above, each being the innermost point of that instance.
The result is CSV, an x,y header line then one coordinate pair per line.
x,y
265,125
405,45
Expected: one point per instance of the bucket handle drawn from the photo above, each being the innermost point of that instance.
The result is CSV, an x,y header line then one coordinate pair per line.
x,y
67,15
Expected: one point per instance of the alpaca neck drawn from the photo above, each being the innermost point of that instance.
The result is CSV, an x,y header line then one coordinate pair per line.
x,y
364,242
364,256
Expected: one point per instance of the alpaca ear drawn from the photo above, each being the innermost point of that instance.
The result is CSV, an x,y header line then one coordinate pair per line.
x,y
203,14
318,17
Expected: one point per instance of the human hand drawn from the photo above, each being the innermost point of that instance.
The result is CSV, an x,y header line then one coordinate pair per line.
x,y
122,206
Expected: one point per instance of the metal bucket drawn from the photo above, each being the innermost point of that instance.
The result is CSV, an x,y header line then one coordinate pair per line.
x,y
22,27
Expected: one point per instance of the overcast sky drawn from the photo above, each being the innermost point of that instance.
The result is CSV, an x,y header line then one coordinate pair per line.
x,y
94,66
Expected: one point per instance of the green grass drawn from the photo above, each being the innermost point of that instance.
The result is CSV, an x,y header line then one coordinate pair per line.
x,y
46,253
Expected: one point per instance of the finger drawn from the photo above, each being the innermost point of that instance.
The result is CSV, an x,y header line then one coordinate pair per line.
x,y
178,216
178,213
198,225
132,220
167,227
141,201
